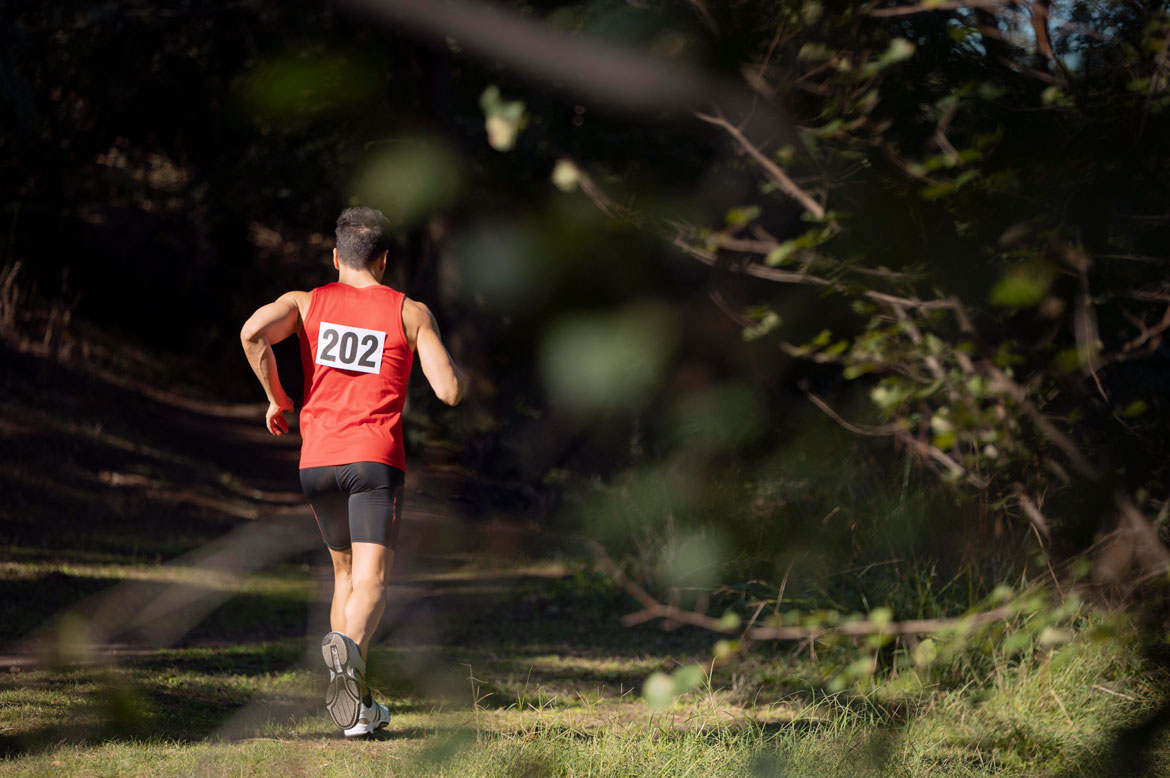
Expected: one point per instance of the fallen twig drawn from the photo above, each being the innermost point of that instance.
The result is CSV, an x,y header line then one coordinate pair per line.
x,y
652,608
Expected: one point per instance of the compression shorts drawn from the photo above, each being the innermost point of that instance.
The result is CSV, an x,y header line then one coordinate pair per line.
x,y
359,502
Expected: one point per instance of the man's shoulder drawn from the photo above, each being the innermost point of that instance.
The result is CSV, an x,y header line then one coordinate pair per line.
x,y
415,315
414,306
297,299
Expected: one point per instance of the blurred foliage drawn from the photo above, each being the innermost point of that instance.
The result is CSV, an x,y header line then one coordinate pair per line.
x,y
896,294
975,200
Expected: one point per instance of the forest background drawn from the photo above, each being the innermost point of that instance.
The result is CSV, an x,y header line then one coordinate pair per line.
x,y
826,336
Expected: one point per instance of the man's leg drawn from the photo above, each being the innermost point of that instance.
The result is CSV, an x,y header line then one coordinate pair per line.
x,y
342,587
370,569
330,506
375,505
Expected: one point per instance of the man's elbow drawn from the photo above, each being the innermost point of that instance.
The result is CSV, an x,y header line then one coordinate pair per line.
x,y
452,391
451,395
251,335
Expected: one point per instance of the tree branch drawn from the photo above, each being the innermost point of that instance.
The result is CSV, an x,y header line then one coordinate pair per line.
x,y
1045,427
857,429
1032,511
924,450
652,608
782,179
753,268
949,5
1040,28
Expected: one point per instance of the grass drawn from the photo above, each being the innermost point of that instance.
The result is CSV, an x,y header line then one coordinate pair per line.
x,y
153,630
471,700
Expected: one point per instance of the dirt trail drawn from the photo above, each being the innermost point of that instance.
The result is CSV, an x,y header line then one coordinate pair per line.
x,y
101,467
175,528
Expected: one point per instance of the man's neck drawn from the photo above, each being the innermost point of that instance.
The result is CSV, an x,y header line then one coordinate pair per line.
x,y
358,278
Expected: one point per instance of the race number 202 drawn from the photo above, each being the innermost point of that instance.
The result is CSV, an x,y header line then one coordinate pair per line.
x,y
350,348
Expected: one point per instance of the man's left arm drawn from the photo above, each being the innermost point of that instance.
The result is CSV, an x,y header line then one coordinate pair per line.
x,y
270,324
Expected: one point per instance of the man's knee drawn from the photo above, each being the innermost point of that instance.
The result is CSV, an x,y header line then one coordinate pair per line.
x,y
342,562
342,581
370,587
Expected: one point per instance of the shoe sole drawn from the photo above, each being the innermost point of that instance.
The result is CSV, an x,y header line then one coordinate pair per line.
x,y
343,696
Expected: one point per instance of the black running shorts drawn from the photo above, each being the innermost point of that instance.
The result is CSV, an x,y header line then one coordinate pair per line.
x,y
361,502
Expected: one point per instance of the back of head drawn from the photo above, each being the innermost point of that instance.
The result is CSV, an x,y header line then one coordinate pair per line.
x,y
362,235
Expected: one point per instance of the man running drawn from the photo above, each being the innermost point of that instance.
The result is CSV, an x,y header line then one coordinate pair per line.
x,y
357,339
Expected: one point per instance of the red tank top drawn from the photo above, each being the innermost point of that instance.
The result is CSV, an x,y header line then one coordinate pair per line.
x,y
357,362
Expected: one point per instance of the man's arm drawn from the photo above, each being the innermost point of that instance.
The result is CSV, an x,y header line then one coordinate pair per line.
x,y
270,324
444,376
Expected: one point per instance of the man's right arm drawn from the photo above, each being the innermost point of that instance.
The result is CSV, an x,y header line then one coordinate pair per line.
x,y
444,376
270,324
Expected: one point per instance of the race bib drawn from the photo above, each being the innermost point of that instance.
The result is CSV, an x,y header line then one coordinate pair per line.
x,y
350,348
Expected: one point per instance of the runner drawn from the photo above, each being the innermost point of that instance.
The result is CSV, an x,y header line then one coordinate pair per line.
x,y
357,339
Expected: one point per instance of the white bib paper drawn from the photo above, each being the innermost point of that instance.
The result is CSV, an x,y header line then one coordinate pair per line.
x,y
350,348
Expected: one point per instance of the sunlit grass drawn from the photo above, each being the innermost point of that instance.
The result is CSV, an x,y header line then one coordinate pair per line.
x,y
253,707
269,582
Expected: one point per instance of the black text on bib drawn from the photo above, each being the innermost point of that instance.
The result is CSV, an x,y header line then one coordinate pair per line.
x,y
350,348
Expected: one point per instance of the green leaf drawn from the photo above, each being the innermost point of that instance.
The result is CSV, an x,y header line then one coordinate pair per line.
x,y
1017,642
1053,636
730,621
815,52
925,653
1023,286
1135,408
658,690
1080,568
503,120
767,321
945,440
860,668
1000,594
856,371
937,191
725,648
988,91
1054,95
781,254
899,49
837,349
785,154
738,217
811,12
565,175
688,677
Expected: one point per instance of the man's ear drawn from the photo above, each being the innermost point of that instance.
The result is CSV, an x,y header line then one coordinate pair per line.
x,y
382,262
336,262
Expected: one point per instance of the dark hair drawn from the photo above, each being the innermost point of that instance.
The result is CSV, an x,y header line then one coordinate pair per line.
x,y
362,235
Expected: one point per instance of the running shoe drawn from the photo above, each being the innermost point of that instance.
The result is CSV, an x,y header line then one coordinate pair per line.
x,y
371,719
347,669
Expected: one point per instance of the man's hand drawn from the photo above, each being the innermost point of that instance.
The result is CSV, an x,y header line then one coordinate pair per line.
x,y
274,419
